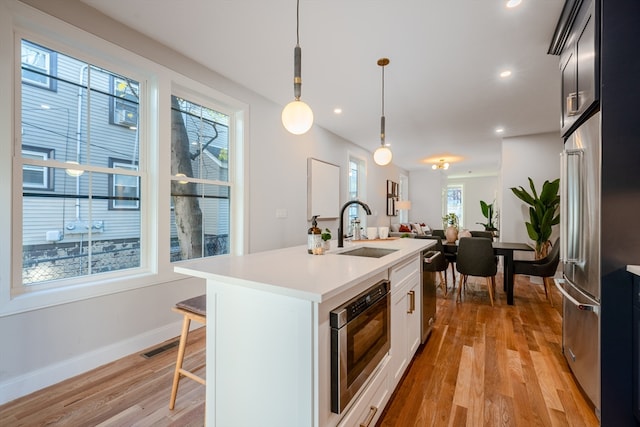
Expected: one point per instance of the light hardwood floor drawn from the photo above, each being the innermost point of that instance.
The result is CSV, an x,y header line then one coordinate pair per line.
x,y
482,365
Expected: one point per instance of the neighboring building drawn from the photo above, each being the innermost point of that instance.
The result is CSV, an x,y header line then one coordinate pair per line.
x,y
79,123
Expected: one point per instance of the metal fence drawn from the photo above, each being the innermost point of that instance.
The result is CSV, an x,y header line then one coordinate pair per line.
x,y
57,261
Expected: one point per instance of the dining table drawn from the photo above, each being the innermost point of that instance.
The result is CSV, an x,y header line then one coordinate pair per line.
x,y
505,250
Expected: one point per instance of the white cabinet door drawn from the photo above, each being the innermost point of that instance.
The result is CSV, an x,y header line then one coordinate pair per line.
x,y
405,316
414,318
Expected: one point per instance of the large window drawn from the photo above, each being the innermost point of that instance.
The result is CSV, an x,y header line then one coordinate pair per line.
x,y
200,185
357,175
455,202
106,192
80,208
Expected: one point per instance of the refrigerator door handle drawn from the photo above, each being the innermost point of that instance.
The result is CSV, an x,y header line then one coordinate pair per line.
x,y
580,305
563,206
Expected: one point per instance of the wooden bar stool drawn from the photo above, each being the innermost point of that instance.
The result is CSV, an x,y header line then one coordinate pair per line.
x,y
192,309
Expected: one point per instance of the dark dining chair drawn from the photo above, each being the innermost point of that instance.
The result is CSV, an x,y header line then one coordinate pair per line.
x,y
485,234
438,263
476,258
450,256
545,267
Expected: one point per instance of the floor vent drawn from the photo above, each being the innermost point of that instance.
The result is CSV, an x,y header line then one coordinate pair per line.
x,y
149,354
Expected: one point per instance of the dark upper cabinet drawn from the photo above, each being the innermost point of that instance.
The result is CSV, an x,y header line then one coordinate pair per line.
x,y
576,41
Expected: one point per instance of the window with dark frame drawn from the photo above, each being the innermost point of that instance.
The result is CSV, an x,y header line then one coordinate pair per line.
x,y
124,107
38,66
34,176
124,190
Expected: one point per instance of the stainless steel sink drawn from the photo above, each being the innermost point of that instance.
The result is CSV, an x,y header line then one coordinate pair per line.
x,y
368,252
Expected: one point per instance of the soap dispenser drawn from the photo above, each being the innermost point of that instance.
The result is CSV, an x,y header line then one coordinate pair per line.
x,y
314,236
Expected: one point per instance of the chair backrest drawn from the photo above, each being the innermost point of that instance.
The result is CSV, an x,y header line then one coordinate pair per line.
x,y
476,257
439,233
478,233
440,263
553,257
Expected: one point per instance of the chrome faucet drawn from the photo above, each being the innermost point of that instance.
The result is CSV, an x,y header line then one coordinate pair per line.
x,y
350,202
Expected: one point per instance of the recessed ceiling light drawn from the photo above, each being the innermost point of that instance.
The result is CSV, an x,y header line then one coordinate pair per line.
x,y
499,130
505,73
337,110
513,3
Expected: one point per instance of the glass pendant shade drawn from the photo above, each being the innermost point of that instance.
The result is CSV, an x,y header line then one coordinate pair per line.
x,y
382,156
297,117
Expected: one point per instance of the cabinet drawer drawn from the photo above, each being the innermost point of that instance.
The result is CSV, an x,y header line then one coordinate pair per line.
x,y
369,406
403,270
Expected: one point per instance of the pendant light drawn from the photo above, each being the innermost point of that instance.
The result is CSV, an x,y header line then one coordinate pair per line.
x,y
382,156
297,116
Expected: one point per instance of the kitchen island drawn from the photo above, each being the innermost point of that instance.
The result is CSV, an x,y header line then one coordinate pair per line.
x,y
268,333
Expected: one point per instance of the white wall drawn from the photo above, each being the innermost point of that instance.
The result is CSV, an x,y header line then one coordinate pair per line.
x,y
45,346
425,193
536,156
476,189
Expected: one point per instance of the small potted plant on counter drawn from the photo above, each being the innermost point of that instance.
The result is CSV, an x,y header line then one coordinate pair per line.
x,y
326,236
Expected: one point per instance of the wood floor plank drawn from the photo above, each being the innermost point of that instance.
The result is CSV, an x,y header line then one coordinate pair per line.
x,y
482,365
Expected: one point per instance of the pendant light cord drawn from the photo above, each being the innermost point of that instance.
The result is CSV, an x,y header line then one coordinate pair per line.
x,y
298,23
383,90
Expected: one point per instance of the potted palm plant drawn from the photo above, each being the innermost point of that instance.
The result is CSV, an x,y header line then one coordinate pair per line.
x,y
543,213
489,213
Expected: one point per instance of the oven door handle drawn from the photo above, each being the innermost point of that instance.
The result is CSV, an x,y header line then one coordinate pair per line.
x,y
580,305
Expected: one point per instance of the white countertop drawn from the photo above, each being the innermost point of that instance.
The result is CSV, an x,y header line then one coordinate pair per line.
x,y
294,272
635,269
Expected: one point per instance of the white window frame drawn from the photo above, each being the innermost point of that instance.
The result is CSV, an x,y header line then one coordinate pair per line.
x,y
403,214
445,203
155,138
361,192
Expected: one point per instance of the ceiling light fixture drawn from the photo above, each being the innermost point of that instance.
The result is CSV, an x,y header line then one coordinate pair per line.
x,y
440,165
297,116
499,130
382,156
513,3
505,74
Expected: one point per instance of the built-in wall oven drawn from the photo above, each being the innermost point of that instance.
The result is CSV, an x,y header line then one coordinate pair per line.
x,y
360,338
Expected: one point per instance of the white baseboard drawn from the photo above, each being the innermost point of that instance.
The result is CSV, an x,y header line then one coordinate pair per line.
x,y
27,383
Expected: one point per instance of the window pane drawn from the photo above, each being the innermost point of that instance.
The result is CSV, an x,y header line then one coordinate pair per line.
x,y
202,135
71,234
200,210
455,202
70,228
201,213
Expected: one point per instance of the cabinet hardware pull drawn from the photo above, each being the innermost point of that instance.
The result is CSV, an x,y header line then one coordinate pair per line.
x,y
572,104
412,302
372,413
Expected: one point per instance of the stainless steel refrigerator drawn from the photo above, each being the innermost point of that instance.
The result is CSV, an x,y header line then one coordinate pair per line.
x,y
580,255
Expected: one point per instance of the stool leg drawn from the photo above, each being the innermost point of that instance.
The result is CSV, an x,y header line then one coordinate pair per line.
x,y
490,285
181,348
547,295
